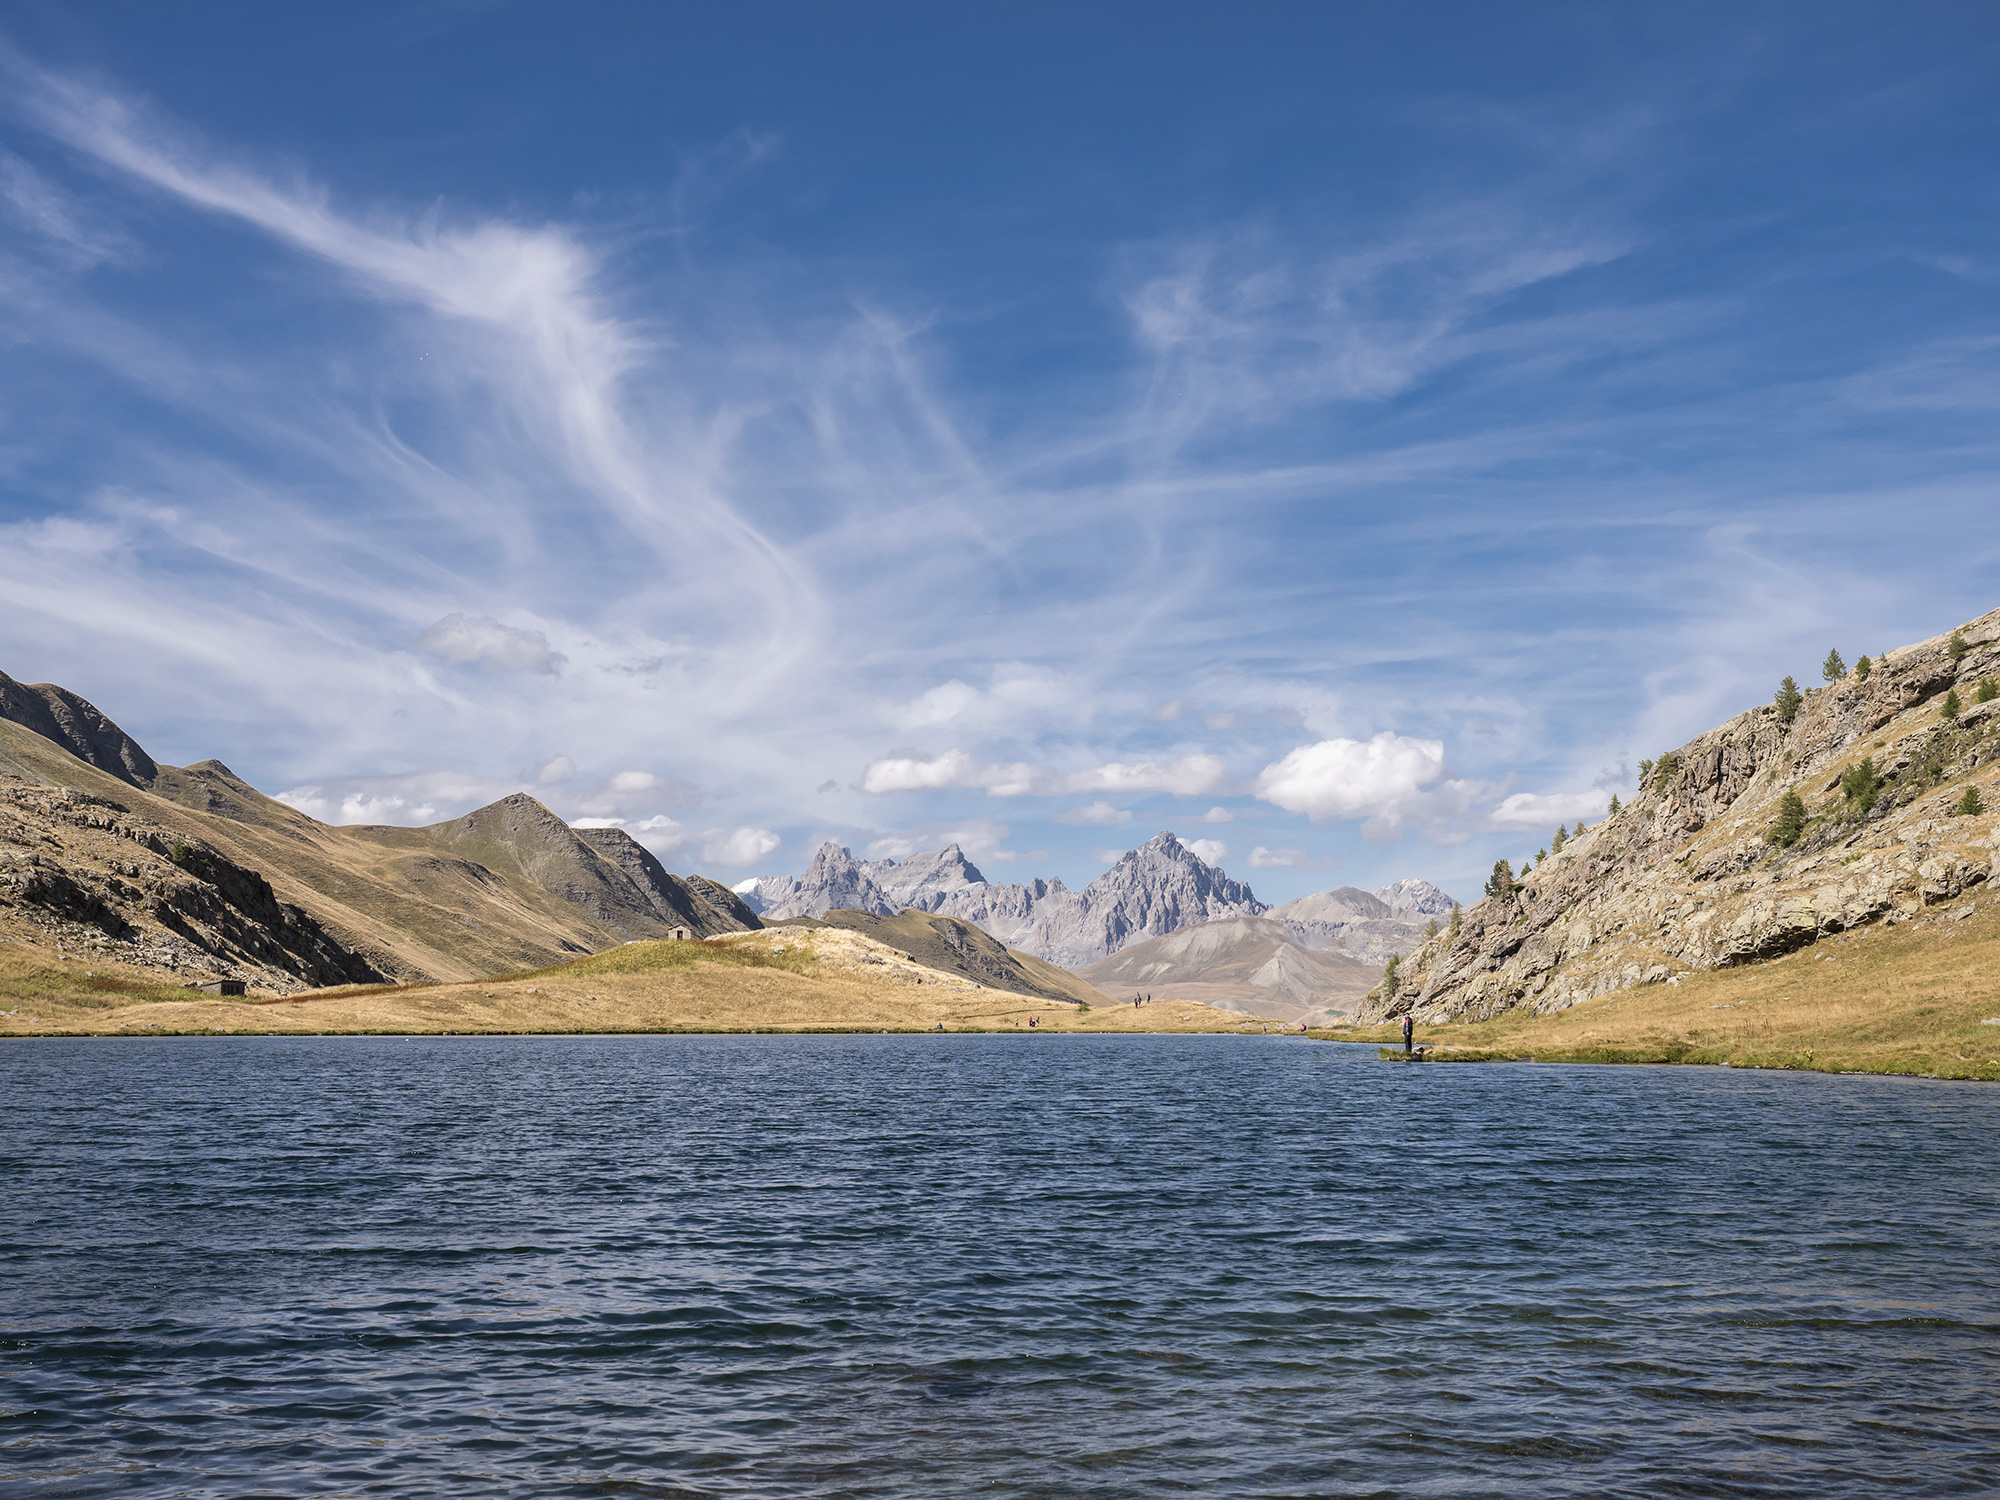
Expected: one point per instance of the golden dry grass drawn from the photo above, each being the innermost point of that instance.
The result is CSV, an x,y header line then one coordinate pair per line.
x,y
825,980
1904,999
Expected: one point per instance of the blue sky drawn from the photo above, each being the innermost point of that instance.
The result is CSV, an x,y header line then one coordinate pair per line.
x,y
1352,436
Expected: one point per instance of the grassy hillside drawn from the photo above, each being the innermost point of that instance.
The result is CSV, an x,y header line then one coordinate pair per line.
x,y
782,979
954,946
1909,998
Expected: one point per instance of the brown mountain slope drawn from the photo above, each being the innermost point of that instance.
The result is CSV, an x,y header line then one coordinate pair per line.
x,y
1694,873
506,888
58,715
952,946
1250,964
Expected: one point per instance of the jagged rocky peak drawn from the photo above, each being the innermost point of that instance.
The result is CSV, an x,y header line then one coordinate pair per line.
x,y
1416,897
834,881
924,880
1698,869
1160,887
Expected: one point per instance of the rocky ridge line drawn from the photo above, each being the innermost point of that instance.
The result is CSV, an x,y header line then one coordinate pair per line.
x,y
1690,874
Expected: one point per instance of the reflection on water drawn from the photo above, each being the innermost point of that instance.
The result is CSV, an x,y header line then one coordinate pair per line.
x,y
914,1266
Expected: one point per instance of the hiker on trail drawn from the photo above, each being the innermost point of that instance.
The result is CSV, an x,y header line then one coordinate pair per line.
x,y
1409,1026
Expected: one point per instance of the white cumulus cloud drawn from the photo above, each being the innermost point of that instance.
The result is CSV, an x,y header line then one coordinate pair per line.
x,y
1212,851
1279,859
910,771
1391,781
1190,776
554,771
745,846
481,640
1093,812
1539,810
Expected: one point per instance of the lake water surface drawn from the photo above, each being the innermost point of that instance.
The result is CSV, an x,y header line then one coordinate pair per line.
x,y
1011,1266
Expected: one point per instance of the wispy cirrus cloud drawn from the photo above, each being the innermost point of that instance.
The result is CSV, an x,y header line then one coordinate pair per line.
x,y
465,489
1185,776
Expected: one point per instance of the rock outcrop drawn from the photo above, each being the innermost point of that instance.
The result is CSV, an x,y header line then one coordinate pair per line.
x,y
88,865
705,907
1697,872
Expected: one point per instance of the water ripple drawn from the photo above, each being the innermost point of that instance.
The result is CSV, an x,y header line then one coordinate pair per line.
x,y
900,1266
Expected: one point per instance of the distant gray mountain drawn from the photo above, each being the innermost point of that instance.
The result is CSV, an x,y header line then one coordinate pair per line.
x,y
1369,925
1157,888
1250,964
1417,897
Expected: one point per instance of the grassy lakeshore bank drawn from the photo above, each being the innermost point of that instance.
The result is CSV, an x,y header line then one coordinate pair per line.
x,y
1913,998
779,980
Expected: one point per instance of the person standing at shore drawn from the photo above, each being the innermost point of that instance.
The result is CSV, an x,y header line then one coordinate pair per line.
x,y
1409,1029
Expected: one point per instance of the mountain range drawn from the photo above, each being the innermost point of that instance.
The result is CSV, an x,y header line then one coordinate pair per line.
x,y
1161,887
192,871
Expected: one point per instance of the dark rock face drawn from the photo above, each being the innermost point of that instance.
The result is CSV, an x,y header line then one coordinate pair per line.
x,y
58,714
674,902
66,857
728,907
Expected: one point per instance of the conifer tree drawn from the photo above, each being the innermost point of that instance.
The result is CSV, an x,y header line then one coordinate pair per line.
x,y
1791,821
1431,928
1862,668
1988,691
1614,805
1645,773
1391,982
1540,855
1861,785
1500,884
1561,838
1457,914
1970,805
1833,668
1788,698
1951,707
1956,647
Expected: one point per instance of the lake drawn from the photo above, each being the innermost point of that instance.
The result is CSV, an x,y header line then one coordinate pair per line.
x,y
1017,1266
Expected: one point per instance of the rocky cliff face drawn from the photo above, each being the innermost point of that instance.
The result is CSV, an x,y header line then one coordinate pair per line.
x,y
702,906
1694,872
